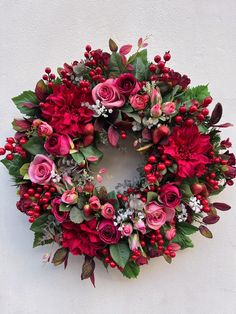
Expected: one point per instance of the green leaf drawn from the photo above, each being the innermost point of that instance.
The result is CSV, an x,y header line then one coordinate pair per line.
x,y
27,103
183,240
141,54
78,157
39,240
116,66
24,169
60,256
135,116
14,165
91,151
186,190
140,69
199,93
202,128
151,196
35,145
64,207
131,270
120,253
127,108
81,201
186,228
76,215
39,223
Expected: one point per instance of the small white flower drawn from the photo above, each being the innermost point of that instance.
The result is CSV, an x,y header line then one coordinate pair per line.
x,y
183,215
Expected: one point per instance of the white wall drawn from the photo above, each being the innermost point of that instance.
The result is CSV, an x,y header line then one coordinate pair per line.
x,y
201,37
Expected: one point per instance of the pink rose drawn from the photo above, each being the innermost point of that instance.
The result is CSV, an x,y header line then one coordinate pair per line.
x,y
44,129
156,96
127,84
139,102
108,232
108,94
170,195
41,169
170,234
58,145
140,226
69,196
60,216
108,211
127,230
155,215
168,107
156,111
94,203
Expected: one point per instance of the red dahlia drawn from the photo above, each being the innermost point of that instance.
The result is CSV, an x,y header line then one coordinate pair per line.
x,y
189,148
63,110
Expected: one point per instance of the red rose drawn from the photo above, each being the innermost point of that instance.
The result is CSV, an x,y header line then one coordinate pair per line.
x,y
127,84
58,145
60,216
189,148
139,102
108,232
81,238
63,110
170,195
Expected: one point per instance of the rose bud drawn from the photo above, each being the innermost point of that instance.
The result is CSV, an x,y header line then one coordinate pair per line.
x,y
89,187
156,111
140,226
168,108
69,196
160,132
88,140
108,211
87,210
127,230
89,129
44,129
196,188
94,203
156,96
170,234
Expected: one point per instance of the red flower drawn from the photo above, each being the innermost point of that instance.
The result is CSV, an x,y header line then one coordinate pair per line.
x,y
81,238
64,112
188,147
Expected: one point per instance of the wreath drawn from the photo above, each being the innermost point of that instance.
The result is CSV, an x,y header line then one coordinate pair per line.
x,y
102,99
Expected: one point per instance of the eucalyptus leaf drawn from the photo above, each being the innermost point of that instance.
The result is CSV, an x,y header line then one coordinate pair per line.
x,y
76,215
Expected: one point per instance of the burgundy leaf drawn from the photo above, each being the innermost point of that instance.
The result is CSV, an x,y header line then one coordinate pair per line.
x,y
87,268
29,105
124,125
211,219
124,50
224,125
221,206
216,114
205,232
21,125
113,136
41,90
98,125
92,279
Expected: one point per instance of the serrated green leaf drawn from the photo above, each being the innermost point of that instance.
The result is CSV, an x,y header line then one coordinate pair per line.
x,y
131,270
127,108
151,196
135,116
183,240
186,228
199,93
39,223
64,207
116,66
39,240
81,201
14,165
76,215
120,253
35,145
27,103
24,169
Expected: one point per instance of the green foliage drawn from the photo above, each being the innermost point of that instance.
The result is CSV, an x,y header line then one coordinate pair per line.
x,y
64,207
199,93
186,228
27,103
78,157
183,230
140,64
14,165
120,253
35,145
131,270
90,151
76,215
116,67
151,196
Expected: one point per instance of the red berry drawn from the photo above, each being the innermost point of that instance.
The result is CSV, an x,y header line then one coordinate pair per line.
x,y
157,58
105,251
30,212
207,101
124,198
178,119
52,76
106,259
167,56
112,264
39,189
160,242
88,48
165,77
152,242
31,219
205,111
47,194
161,167
123,135
212,175
182,109
119,196
50,84
189,122
172,254
8,146
143,244
200,117
152,159
26,195
37,195
45,77
23,141
224,162
46,187
152,67
134,257
52,189
161,64
31,192
166,252
143,199
147,168
10,140
9,156
37,208
2,151
151,179
47,70
86,55
193,109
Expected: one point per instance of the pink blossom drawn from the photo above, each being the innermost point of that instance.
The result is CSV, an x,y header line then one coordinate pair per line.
x,y
108,211
169,107
133,242
156,111
108,94
170,234
156,96
94,203
139,102
41,169
140,226
155,215
127,230
69,196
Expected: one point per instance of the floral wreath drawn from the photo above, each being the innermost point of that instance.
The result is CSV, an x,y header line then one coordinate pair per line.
x,y
103,99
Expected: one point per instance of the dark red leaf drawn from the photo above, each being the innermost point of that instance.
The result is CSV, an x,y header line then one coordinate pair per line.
x,y
113,136
216,114
21,125
98,125
124,125
221,206
92,279
124,50
224,125
211,219
205,232
41,90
